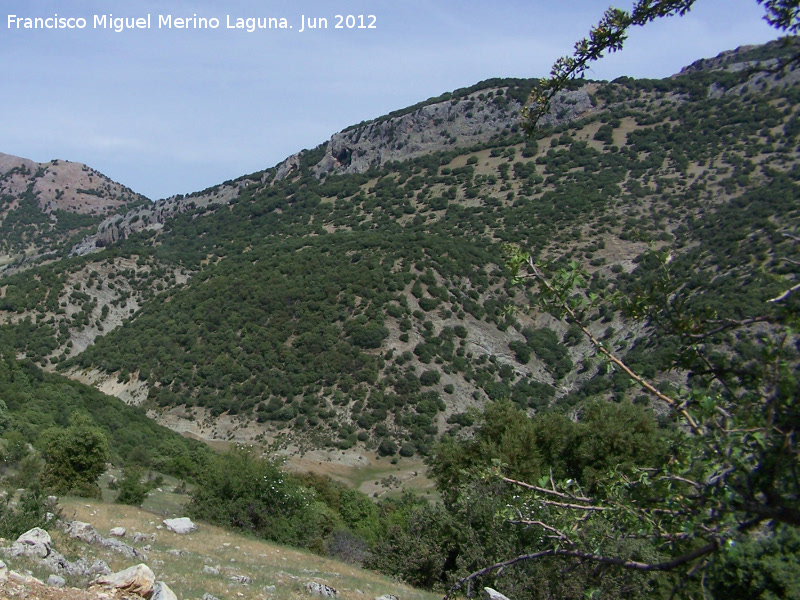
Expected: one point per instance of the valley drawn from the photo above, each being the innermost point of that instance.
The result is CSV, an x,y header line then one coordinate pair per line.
x,y
355,313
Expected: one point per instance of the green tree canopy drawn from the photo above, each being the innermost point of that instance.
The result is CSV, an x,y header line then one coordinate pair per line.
x,y
75,457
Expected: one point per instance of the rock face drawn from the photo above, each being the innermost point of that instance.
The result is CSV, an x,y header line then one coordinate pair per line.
x,y
444,125
138,579
453,123
37,544
152,216
181,526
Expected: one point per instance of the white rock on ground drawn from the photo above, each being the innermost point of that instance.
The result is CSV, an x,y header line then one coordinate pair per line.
x,y
161,591
320,589
117,532
490,594
35,542
82,531
182,525
138,579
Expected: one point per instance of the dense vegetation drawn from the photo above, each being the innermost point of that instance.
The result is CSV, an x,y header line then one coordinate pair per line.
x,y
373,310
352,302
77,429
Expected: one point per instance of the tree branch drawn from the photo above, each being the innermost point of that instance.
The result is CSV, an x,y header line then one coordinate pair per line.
x,y
546,491
612,358
606,560
785,294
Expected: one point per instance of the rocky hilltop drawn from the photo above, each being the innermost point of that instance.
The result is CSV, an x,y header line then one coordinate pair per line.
x,y
62,185
460,120
152,216
44,204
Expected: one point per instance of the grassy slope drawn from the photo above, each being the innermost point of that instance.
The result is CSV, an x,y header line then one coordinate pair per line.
x,y
179,560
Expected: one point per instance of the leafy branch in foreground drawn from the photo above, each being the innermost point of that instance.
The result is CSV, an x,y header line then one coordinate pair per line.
x,y
732,473
610,33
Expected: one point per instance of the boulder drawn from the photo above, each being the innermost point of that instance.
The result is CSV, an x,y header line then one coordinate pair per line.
x,y
490,594
56,581
82,531
181,526
320,589
3,571
387,597
243,579
161,591
209,570
35,542
143,537
117,532
138,579
98,567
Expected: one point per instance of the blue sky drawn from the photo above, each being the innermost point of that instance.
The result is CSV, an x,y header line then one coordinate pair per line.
x,y
174,111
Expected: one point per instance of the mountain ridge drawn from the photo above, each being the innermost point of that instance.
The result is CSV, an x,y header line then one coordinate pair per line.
x,y
43,205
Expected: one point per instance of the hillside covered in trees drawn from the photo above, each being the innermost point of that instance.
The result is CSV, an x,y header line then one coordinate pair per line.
x,y
357,297
371,308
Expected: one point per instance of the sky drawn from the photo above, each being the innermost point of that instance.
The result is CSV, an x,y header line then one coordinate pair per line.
x,y
168,111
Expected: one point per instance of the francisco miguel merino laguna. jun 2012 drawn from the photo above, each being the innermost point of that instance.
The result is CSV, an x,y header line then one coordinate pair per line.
x,y
249,24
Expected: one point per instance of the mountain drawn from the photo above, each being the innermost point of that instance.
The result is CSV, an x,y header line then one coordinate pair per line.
x,y
354,296
44,206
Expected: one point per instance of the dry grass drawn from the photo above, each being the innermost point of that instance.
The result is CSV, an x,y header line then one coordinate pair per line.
x,y
277,572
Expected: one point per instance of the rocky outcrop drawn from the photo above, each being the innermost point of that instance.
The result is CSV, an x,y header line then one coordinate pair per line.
x,y
152,216
86,533
38,545
455,123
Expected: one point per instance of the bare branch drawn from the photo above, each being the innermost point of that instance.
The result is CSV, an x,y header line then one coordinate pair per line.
x,y
785,294
546,491
573,506
560,534
728,324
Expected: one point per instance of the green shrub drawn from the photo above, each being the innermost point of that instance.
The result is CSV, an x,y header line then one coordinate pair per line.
x,y
32,510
